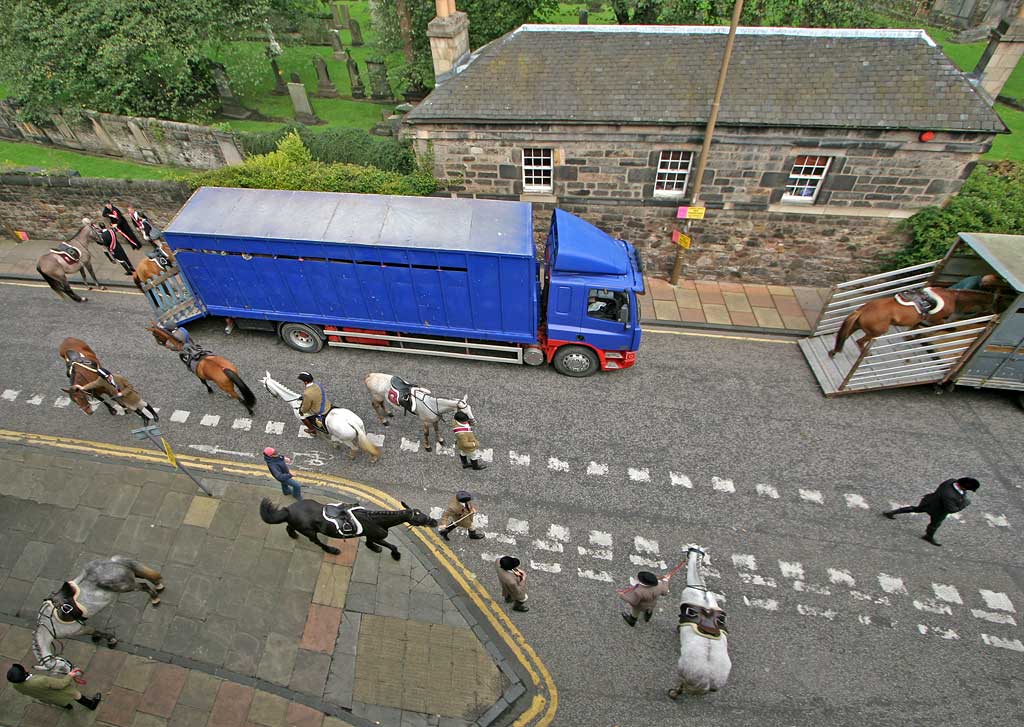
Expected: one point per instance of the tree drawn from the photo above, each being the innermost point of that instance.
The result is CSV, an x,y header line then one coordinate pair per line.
x,y
133,57
636,12
791,13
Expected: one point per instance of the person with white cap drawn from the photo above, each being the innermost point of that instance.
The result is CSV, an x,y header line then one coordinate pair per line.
x,y
513,582
459,514
643,596
277,463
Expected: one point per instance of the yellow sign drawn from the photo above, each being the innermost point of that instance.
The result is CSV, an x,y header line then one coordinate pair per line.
x,y
691,213
682,240
169,452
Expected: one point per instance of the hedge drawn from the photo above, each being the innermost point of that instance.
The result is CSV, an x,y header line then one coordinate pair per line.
x,y
332,146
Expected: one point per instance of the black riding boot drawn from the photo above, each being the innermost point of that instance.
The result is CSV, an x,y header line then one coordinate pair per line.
x,y
474,535
465,461
445,532
478,465
90,702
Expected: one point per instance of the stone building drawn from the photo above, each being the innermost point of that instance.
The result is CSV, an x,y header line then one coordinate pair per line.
x,y
826,139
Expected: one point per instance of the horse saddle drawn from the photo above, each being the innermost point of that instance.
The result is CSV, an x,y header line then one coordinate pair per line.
x,y
708,622
66,605
160,259
68,253
924,300
192,354
344,520
320,421
401,394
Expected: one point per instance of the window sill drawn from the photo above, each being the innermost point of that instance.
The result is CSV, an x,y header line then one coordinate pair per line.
x,y
540,197
832,210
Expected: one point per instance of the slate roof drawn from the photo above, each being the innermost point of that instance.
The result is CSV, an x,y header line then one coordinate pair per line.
x,y
878,79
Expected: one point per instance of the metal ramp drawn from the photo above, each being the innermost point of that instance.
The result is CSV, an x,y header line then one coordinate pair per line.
x,y
171,299
926,355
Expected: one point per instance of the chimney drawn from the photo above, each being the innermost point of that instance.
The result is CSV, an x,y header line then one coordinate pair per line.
x,y
449,39
1000,57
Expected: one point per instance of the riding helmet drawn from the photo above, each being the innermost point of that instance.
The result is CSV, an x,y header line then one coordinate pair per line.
x,y
463,496
647,578
969,483
306,377
507,562
461,417
16,674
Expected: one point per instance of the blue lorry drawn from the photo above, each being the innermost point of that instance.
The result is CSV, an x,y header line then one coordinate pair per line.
x,y
428,275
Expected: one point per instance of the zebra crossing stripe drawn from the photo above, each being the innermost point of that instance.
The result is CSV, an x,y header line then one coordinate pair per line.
x,y
210,420
723,485
62,401
35,400
767,491
274,428
9,395
1011,644
179,416
242,423
641,474
598,470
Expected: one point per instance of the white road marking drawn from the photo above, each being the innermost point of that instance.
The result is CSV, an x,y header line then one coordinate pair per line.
x,y
480,520
487,455
679,480
768,604
742,560
649,562
436,512
409,445
723,485
598,576
559,533
947,593
35,400
9,395
841,577
242,423
557,465
994,521
948,634
933,606
546,567
522,460
643,545
439,449
877,600
891,584
802,587
518,527
274,428
864,619
805,610
641,474
753,579
996,618
210,420
767,491
62,401
599,538
302,433
377,439
506,539
791,570
811,496
596,469
598,553
213,449
998,601
1011,644
548,546
179,416
856,501
957,517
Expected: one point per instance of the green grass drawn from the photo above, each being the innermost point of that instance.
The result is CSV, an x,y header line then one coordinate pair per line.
x,y
569,14
14,154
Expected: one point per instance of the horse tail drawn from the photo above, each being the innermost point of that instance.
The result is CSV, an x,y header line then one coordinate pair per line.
x,y
845,330
60,287
140,570
248,398
364,442
271,513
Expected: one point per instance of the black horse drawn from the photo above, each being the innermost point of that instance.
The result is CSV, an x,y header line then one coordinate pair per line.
x,y
307,517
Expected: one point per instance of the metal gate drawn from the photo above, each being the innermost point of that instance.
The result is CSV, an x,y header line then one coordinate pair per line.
x,y
172,300
931,354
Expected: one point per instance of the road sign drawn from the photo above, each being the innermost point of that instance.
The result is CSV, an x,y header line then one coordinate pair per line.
x,y
691,213
682,240
169,452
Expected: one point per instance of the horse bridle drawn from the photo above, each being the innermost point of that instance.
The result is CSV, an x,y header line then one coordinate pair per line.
x,y
45,620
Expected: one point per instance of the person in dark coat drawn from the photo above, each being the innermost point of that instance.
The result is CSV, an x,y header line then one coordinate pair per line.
x,y
111,246
116,219
949,497
58,690
277,463
150,233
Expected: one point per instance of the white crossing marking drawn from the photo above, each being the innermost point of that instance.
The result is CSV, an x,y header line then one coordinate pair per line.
x,y
679,480
1011,644
546,567
956,517
998,601
480,520
994,521
877,600
519,527
742,560
436,512
274,428
377,439
791,570
409,445
523,460
805,610
864,619
507,539
599,538
597,469
802,587
643,545
302,433
487,455
36,400
649,562
891,584
439,450
933,606
559,533
949,594
768,604
242,423
856,501
996,618
948,634
641,474
811,496
62,401
601,554
557,465
548,546
179,416
753,579
723,485
598,576
210,420
841,577
489,557
767,491
9,395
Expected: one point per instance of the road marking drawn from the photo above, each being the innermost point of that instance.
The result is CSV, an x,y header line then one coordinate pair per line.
x,y
242,423
213,449
996,618
559,533
841,577
768,604
604,542
94,291
791,570
947,593
480,520
877,600
210,420
376,439
408,445
62,401
997,521
753,579
719,335
933,606
35,400
598,576
518,527
546,567
501,538
274,428
487,455
641,474
742,560
866,620
302,433
436,512
521,460
948,634
643,545
723,485
854,501
805,610
9,395
1011,644
439,449
891,584
804,587
557,465
598,553
767,491
997,601
649,562
598,470
812,496
599,538
179,416
548,546
679,480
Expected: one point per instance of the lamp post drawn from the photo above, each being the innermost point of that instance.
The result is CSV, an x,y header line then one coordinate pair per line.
x,y
709,132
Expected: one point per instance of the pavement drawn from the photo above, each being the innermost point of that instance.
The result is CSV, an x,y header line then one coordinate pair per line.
x,y
254,627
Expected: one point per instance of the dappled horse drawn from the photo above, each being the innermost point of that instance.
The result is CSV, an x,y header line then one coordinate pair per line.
x,y
207,367
341,520
68,258
416,399
876,316
704,663
343,426
66,612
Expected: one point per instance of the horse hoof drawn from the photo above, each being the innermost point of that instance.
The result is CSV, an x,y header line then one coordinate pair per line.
x,y
103,287
673,693
154,601
395,555
111,642
440,442
391,414
159,587
95,638
332,550
374,459
426,448
83,300
386,423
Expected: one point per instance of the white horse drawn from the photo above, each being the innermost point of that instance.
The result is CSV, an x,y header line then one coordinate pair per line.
x,y
704,663
65,612
345,427
430,409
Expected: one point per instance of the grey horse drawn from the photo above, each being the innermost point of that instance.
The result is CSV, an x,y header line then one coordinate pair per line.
x,y
704,663
66,612
431,409
56,268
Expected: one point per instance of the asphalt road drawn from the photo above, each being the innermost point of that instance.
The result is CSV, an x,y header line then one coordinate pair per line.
x,y
836,614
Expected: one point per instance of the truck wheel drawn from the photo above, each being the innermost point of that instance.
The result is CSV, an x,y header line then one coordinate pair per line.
x,y
301,337
578,361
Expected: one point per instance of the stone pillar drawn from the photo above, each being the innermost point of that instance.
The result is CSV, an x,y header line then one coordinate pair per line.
x,y
449,39
1001,56
324,87
337,49
356,31
380,89
358,91
300,102
584,17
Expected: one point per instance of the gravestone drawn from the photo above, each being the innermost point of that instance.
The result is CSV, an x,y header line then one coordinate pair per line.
x,y
346,19
280,89
379,87
338,49
358,90
230,105
357,33
584,17
336,16
324,87
300,102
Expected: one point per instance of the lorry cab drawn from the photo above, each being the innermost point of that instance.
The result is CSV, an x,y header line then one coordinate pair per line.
x,y
591,281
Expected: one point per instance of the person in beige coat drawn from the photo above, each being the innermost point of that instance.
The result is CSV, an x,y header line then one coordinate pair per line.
x,y
513,582
643,597
59,691
466,441
460,513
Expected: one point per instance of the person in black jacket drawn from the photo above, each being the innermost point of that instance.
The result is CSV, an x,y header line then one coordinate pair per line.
x,y
110,242
949,497
117,221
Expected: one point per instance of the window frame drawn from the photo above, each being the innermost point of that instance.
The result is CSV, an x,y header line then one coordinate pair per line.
x,y
532,166
673,193
803,178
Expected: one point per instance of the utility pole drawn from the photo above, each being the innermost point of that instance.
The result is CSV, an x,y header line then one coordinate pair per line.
x,y
709,132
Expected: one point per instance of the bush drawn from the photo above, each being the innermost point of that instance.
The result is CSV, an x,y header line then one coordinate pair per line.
x,y
992,200
292,166
331,146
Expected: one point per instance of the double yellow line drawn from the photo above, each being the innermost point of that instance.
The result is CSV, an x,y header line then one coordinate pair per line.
x,y
542,709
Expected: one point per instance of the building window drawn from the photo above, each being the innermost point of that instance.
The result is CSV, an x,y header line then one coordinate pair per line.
x,y
537,170
805,179
673,173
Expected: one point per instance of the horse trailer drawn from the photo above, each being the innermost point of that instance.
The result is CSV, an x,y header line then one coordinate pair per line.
x,y
983,351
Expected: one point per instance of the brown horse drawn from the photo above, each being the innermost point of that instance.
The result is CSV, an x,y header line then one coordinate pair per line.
x,y
150,268
82,368
876,316
56,268
207,367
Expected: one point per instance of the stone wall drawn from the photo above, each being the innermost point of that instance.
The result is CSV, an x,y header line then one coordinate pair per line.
x,y
148,141
606,174
52,207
